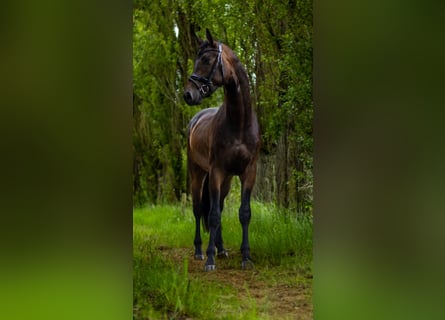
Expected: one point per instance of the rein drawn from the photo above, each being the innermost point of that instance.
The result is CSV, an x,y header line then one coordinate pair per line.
x,y
206,82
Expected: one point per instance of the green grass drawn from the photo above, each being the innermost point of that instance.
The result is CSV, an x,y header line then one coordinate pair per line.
x,y
281,246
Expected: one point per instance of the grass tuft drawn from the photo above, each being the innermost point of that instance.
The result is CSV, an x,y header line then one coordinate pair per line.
x,y
164,287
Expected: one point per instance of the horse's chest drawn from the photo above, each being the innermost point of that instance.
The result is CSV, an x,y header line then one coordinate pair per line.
x,y
234,156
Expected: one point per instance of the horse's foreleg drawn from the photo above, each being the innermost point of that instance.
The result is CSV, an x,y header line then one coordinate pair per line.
x,y
215,179
244,218
225,187
247,182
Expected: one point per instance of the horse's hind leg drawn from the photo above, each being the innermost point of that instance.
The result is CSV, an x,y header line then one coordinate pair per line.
x,y
197,242
222,252
197,178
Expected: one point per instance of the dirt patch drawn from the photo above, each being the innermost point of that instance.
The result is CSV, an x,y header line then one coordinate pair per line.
x,y
274,292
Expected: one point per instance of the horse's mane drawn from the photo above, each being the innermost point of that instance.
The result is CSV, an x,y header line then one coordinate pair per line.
x,y
234,64
241,74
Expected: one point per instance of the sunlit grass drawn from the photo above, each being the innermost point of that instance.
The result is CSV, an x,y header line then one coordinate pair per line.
x,y
164,289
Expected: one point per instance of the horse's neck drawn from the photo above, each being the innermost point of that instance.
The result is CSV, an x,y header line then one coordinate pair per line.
x,y
237,100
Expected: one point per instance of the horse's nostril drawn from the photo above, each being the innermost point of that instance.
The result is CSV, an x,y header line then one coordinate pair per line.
x,y
187,96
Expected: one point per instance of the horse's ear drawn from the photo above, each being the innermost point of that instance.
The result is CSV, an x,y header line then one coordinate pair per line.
x,y
209,36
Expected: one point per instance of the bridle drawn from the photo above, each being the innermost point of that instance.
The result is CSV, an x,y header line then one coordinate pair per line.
x,y
206,82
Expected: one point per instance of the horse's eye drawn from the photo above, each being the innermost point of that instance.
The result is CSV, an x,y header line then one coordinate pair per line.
x,y
206,60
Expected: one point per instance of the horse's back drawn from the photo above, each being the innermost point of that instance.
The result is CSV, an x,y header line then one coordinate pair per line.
x,y
198,116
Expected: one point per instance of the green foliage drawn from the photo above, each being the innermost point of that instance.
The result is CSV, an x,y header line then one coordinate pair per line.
x,y
159,128
273,39
292,236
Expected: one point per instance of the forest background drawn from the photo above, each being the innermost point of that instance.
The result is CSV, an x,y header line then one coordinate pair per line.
x,y
273,39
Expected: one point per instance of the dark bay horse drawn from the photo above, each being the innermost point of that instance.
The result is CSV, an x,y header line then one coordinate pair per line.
x,y
222,142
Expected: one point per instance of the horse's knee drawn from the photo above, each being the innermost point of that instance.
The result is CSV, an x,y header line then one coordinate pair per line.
x,y
244,215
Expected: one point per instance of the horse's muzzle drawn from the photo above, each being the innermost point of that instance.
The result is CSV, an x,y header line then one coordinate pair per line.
x,y
192,97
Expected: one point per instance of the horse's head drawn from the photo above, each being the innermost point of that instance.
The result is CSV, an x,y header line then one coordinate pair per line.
x,y
208,73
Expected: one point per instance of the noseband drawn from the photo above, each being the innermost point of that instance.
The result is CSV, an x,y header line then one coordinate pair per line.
x,y
206,82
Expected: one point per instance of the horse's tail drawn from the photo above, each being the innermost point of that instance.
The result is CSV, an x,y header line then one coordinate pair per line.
x,y
206,203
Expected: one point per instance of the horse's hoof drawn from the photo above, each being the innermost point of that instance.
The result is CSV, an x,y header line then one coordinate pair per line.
x,y
223,254
209,267
199,257
247,265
